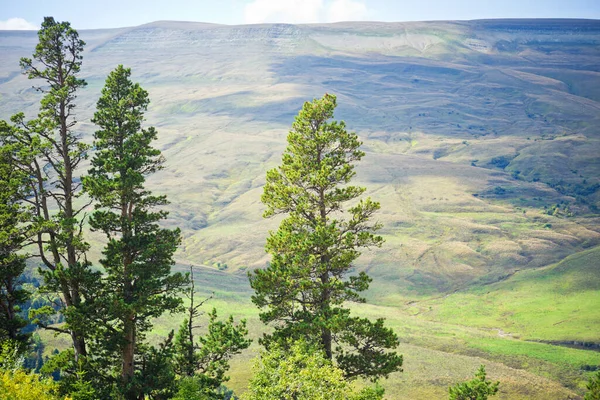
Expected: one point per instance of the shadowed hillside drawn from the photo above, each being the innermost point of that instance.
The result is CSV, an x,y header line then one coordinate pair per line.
x,y
481,136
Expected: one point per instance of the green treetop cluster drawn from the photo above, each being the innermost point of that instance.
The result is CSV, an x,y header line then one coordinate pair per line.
x,y
106,315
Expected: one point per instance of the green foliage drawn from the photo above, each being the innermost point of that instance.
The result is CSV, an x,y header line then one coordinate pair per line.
x,y
192,388
193,355
307,282
559,210
195,388
476,389
11,354
367,339
301,372
34,356
206,359
223,340
156,375
59,46
593,387
82,388
51,153
499,190
74,375
221,266
502,161
369,393
57,61
138,284
20,385
14,235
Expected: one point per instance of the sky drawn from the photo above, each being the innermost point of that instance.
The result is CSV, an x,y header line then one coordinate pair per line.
x,y
85,14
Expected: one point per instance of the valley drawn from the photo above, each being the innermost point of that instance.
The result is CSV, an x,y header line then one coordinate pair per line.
x,y
482,142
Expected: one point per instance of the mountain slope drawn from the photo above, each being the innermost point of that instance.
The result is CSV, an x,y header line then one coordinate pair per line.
x,y
481,136
556,304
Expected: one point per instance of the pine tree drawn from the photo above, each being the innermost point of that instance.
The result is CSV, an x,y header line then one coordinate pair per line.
x,y
205,359
306,284
138,284
476,389
54,152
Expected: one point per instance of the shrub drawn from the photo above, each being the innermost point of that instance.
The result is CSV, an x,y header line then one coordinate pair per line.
x,y
593,388
476,389
20,385
302,372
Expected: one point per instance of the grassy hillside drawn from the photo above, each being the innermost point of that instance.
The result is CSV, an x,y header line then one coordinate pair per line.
x,y
444,340
481,142
555,303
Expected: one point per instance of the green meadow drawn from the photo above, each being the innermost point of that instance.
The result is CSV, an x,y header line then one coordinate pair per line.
x,y
444,339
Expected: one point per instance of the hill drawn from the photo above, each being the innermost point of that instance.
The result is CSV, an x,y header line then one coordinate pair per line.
x,y
482,146
471,129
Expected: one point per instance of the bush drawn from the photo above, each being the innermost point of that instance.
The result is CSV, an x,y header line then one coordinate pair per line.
x,y
499,190
20,385
502,161
476,389
302,372
593,388
191,388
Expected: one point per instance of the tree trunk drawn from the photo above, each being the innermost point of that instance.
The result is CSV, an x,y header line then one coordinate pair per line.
x,y
325,295
78,344
128,351
326,341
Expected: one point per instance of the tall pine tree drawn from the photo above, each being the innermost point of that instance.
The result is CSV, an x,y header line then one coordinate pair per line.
x,y
53,153
303,290
138,284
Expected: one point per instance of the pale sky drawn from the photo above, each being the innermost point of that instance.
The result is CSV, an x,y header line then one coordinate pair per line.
x,y
84,14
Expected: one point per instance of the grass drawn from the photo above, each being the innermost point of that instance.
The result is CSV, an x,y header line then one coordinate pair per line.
x,y
492,344
438,351
555,303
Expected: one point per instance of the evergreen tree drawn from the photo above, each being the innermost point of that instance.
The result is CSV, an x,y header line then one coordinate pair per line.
x,y
187,360
203,361
476,389
306,284
156,376
138,284
54,151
